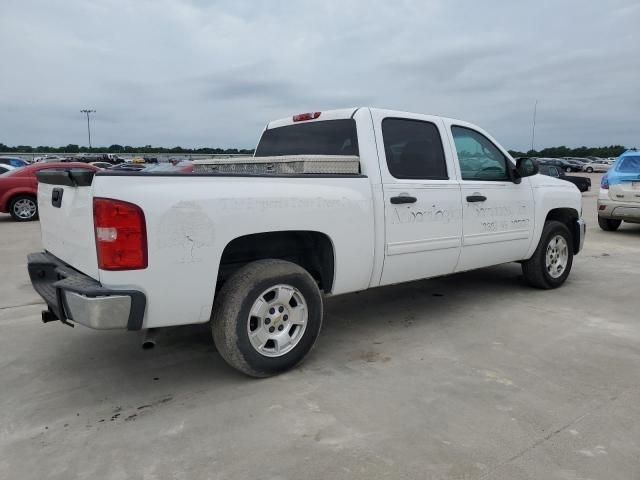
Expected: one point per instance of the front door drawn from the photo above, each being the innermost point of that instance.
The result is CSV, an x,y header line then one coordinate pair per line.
x,y
421,199
497,214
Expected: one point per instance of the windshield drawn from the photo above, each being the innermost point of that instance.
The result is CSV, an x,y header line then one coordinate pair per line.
x,y
329,137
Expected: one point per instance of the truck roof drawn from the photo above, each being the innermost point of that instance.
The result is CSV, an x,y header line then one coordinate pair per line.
x,y
342,113
324,115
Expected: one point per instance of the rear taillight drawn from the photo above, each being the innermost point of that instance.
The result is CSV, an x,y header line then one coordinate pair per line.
x,y
301,117
604,182
121,235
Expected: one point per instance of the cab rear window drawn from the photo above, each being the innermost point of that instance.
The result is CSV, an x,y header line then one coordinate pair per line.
x,y
328,137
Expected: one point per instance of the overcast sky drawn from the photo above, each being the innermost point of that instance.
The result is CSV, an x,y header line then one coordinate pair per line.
x,y
212,73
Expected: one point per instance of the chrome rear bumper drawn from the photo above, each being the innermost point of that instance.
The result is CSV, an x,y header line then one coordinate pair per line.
x,y
72,295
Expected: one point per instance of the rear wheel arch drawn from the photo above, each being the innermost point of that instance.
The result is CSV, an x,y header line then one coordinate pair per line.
x,y
10,194
314,251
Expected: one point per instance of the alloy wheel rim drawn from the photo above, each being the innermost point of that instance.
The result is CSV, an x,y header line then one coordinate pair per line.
x,y
557,256
277,320
24,208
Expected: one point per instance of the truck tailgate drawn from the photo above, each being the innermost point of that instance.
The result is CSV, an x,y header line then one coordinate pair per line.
x,y
66,217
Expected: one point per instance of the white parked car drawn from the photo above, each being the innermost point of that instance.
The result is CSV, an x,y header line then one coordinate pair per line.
x,y
333,202
49,158
591,167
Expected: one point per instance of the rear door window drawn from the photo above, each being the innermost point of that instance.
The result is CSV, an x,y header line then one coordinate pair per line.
x,y
413,149
329,137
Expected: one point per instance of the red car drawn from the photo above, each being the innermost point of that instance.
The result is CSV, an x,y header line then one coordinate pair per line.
x,y
19,188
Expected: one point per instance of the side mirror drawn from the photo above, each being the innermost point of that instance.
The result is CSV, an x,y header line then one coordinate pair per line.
x,y
526,167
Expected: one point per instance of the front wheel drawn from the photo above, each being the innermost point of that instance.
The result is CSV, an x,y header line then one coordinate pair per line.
x,y
589,170
550,264
267,317
608,224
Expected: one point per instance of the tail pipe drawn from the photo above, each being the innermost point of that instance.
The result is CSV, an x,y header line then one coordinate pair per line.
x,y
149,339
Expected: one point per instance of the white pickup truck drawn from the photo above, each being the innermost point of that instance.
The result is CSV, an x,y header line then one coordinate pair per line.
x,y
254,253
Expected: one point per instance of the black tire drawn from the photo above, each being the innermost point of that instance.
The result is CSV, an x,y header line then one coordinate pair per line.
x,y
534,269
608,224
231,316
14,208
568,170
589,170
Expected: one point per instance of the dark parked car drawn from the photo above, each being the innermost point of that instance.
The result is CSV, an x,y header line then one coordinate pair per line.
x,y
561,163
575,165
583,183
129,167
19,188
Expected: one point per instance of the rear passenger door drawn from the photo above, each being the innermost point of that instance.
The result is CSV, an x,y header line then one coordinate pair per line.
x,y
421,198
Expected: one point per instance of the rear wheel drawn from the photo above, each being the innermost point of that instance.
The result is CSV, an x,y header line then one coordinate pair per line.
x,y
267,317
550,264
23,208
608,224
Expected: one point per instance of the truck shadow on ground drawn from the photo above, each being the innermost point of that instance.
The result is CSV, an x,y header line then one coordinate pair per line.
x,y
187,354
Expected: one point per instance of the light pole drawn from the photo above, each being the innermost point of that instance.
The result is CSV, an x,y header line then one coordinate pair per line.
x,y
533,126
88,112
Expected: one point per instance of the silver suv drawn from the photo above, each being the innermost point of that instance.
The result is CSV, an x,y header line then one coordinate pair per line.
x,y
619,198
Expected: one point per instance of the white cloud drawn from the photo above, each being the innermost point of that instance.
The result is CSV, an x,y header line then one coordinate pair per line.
x,y
207,73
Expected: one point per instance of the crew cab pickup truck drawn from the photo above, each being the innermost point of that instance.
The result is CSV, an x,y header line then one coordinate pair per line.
x,y
254,251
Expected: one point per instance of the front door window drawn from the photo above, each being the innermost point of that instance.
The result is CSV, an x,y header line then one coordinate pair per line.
x,y
479,158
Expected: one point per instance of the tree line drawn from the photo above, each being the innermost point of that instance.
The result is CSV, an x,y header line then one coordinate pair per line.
x,y
562,151
72,148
